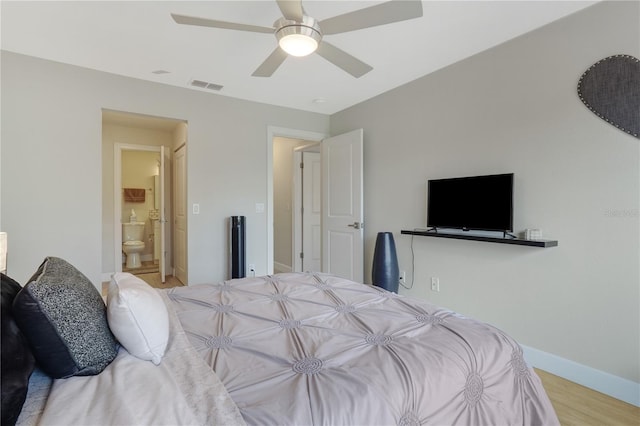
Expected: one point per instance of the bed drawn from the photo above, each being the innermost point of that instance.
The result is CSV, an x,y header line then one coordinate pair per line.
x,y
299,349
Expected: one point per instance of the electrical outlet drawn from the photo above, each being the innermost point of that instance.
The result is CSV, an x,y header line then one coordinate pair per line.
x,y
435,284
403,277
252,270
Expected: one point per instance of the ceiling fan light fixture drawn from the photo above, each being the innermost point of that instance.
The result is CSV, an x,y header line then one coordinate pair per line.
x,y
298,44
298,38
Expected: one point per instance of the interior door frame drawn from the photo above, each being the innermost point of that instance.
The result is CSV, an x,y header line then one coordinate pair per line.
x,y
117,192
284,132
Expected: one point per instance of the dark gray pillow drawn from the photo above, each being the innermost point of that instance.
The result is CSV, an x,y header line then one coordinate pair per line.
x,y
65,321
17,360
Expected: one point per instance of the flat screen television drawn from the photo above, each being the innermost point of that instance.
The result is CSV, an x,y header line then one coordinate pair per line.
x,y
471,203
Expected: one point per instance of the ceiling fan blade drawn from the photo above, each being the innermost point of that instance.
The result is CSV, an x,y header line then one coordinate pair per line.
x,y
381,14
343,60
271,64
203,22
291,9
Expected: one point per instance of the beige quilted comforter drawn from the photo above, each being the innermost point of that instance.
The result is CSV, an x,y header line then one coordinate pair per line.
x,y
314,349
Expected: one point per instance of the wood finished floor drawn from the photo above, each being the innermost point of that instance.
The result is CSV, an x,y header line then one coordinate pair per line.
x,y
153,279
150,273
575,405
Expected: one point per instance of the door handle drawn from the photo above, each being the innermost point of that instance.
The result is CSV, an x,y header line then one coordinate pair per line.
x,y
356,225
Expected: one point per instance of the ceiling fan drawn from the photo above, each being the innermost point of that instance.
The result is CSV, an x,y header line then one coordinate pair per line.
x,y
300,35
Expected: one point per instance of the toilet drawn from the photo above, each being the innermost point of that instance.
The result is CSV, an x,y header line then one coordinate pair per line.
x,y
132,244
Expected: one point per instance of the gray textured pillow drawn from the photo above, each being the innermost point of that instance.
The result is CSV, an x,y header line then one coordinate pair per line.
x,y
64,319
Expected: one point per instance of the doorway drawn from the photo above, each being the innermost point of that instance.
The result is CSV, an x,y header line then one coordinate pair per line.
x,y
289,193
141,190
342,216
283,140
128,133
140,185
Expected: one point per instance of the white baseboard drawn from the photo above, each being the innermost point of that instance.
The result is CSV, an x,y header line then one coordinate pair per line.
x,y
281,267
606,383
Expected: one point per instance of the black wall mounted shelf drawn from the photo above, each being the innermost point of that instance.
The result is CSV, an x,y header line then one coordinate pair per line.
x,y
499,240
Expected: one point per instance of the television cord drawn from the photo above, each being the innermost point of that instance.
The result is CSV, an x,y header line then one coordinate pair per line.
x,y
413,267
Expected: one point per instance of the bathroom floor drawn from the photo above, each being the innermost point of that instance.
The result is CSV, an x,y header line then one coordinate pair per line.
x,y
146,268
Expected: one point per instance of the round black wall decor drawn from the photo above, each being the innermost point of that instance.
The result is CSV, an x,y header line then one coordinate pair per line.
x,y
610,88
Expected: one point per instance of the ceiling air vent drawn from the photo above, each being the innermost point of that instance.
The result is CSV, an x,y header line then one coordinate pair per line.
x,y
206,85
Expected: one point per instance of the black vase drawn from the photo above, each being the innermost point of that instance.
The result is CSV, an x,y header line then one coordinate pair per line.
x,y
385,272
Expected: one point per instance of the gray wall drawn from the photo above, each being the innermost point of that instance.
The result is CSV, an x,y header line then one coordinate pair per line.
x,y
514,108
51,165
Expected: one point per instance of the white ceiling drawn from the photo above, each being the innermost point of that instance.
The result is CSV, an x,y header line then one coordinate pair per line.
x,y
136,38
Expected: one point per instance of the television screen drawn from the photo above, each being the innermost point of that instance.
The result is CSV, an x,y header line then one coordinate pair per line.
x,y
476,202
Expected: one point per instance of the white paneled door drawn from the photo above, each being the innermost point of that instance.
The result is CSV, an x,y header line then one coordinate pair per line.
x,y
311,212
342,205
180,214
163,218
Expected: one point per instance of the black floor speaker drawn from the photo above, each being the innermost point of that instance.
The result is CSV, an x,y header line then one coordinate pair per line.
x,y
238,247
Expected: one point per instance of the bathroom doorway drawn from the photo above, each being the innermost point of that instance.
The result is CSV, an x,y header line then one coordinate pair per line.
x,y
139,205
141,148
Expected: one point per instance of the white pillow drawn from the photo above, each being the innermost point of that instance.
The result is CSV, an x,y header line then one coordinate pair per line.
x,y
138,317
